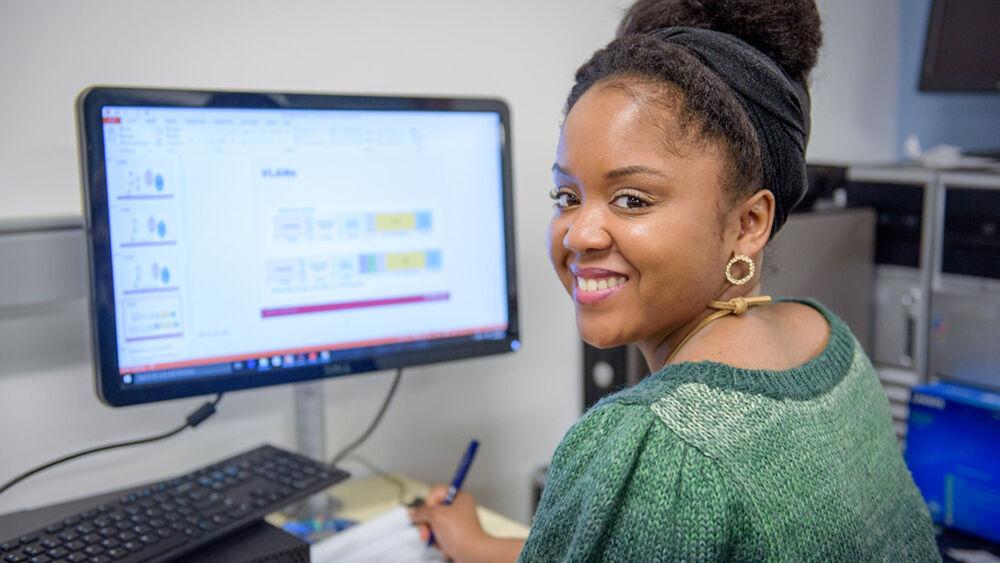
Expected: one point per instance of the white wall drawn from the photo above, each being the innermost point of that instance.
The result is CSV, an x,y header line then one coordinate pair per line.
x,y
518,405
854,94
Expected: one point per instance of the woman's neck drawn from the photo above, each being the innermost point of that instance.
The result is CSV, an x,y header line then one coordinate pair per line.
x,y
657,349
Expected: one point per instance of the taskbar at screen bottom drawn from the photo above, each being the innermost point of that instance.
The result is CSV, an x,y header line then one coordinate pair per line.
x,y
252,364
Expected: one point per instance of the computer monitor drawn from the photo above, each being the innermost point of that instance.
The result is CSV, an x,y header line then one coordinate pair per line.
x,y
962,47
242,239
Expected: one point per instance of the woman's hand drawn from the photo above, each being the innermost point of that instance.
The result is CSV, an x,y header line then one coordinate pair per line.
x,y
457,532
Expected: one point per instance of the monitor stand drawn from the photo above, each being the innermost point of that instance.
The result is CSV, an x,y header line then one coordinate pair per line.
x,y
310,437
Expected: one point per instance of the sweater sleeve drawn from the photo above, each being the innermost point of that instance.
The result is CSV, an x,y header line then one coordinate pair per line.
x,y
623,487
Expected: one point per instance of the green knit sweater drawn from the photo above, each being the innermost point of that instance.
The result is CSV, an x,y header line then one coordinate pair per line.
x,y
703,461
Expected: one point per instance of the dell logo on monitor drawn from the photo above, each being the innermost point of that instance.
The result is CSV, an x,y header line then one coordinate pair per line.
x,y
340,368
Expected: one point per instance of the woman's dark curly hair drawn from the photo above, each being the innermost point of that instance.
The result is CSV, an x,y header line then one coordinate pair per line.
x,y
667,75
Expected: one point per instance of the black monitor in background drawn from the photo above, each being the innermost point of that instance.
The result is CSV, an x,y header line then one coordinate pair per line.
x,y
962,48
241,239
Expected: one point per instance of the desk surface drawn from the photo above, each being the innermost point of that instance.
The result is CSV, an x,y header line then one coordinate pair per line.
x,y
366,498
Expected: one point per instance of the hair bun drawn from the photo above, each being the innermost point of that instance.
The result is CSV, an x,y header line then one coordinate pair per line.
x,y
788,31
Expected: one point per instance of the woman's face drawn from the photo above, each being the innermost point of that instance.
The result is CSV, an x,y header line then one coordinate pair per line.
x,y
637,236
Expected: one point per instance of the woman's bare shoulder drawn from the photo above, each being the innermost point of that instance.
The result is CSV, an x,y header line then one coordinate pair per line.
x,y
778,336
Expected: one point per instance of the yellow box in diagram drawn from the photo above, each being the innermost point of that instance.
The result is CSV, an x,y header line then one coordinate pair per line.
x,y
396,221
405,261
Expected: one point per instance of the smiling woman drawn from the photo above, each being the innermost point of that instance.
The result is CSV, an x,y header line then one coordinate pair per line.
x,y
762,432
628,207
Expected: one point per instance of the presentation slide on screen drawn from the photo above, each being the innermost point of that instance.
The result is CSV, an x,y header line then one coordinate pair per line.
x,y
255,232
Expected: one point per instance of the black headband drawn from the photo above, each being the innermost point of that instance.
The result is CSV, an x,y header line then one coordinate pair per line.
x,y
777,105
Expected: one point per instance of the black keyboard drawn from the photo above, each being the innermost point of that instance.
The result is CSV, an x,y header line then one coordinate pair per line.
x,y
164,520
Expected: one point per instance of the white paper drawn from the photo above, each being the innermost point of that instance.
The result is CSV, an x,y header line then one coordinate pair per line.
x,y
390,537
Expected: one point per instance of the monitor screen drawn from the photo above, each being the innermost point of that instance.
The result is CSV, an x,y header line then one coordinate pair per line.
x,y
962,49
242,239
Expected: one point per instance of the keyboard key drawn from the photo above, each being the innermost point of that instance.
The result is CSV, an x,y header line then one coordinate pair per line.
x,y
29,539
110,543
40,559
51,543
75,545
118,553
93,550
77,558
14,558
57,553
9,546
238,513
125,536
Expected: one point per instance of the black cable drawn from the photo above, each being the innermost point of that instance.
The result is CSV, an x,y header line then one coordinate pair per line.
x,y
381,474
192,420
371,428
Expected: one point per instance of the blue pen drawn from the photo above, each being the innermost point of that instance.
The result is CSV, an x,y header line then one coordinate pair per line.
x,y
456,481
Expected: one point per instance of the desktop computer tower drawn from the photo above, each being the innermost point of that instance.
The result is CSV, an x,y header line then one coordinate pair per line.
x,y
606,371
965,288
937,273
903,200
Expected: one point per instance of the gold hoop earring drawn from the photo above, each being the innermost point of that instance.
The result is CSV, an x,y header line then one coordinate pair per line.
x,y
744,279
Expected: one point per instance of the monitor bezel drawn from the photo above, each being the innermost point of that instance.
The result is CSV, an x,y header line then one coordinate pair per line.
x,y
107,378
